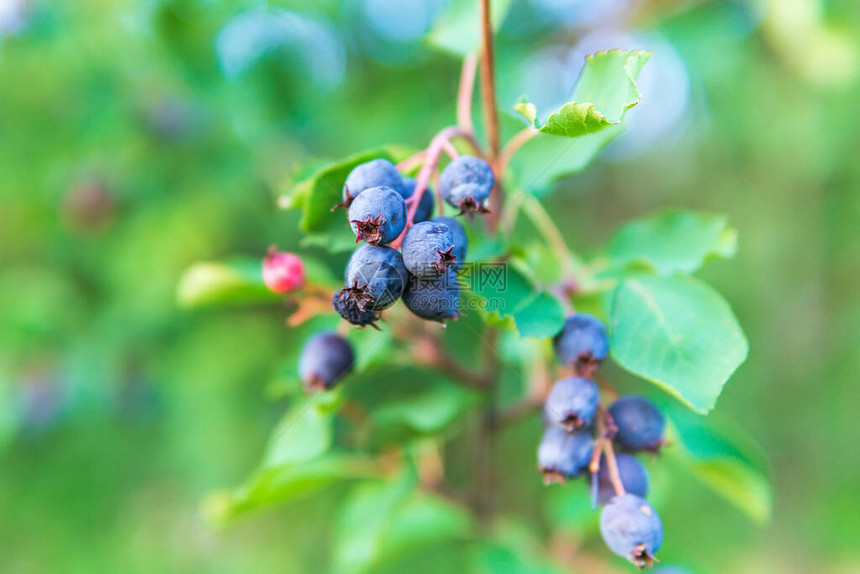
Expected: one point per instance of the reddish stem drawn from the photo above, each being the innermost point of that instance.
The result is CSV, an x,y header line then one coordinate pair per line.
x,y
411,161
450,150
434,151
464,94
514,144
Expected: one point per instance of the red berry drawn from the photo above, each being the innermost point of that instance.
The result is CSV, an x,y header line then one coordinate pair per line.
x,y
283,272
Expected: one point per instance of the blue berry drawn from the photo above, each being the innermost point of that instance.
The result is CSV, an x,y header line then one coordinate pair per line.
x,y
632,529
563,455
326,358
376,276
633,475
582,344
640,424
436,299
347,306
428,249
461,242
379,172
427,203
378,215
466,183
571,403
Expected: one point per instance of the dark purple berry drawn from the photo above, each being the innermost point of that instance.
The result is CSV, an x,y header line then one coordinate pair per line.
x,y
633,475
639,423
326,358
376,276
428,249
436,299
571,403
466,183
379,172
563,455
632,529
378,215
346,304
582,344
461,242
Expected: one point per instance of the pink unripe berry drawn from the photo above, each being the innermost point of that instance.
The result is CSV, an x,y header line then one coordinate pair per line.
x,y
283,272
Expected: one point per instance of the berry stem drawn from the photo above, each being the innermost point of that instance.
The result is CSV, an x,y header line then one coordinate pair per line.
x,y
488,81
450,150
612,467
434,152
411,161
513,146
464,93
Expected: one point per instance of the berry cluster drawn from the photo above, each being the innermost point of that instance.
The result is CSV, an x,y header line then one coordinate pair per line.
x,y
385,207
581,437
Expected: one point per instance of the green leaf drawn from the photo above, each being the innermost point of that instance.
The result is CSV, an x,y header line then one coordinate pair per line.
x,y
575,134
382,521
678,333
529,111
304,433
574,120
458,29
674,241
723,458
542,317
316,196
209,284
283,483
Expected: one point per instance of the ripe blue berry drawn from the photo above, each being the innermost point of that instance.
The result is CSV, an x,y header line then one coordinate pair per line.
x,y
378,215
563,455
428,249
633,475
347,306
436,299
640,424
375,276
461,242
425,206
466,183
571,403
379,172
632,529
582,344
326,358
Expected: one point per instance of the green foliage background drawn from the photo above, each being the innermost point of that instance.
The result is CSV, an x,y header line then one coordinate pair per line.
x,y
120,414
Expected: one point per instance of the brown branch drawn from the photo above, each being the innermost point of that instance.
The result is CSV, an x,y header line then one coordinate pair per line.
x,y
488,80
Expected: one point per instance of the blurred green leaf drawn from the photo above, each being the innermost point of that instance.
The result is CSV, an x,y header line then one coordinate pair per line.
x,y
209,284
678,333
304,433
674,241
542,317
382,521
372,348
572,136
319,193
458,30
283,483
513,549
724,458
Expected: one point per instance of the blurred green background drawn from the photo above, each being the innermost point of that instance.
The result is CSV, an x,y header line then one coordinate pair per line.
x,y
139,137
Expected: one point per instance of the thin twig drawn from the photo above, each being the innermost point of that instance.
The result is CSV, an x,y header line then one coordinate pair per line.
x,y
551,234
411,161
488,81
450,150
612,468
464,93
514,144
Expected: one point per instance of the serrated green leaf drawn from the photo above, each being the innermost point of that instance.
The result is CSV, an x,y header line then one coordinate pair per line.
x,y
458,29
674,241
605,91
574,120
678,333
541,317
724,459
317,195
209,284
